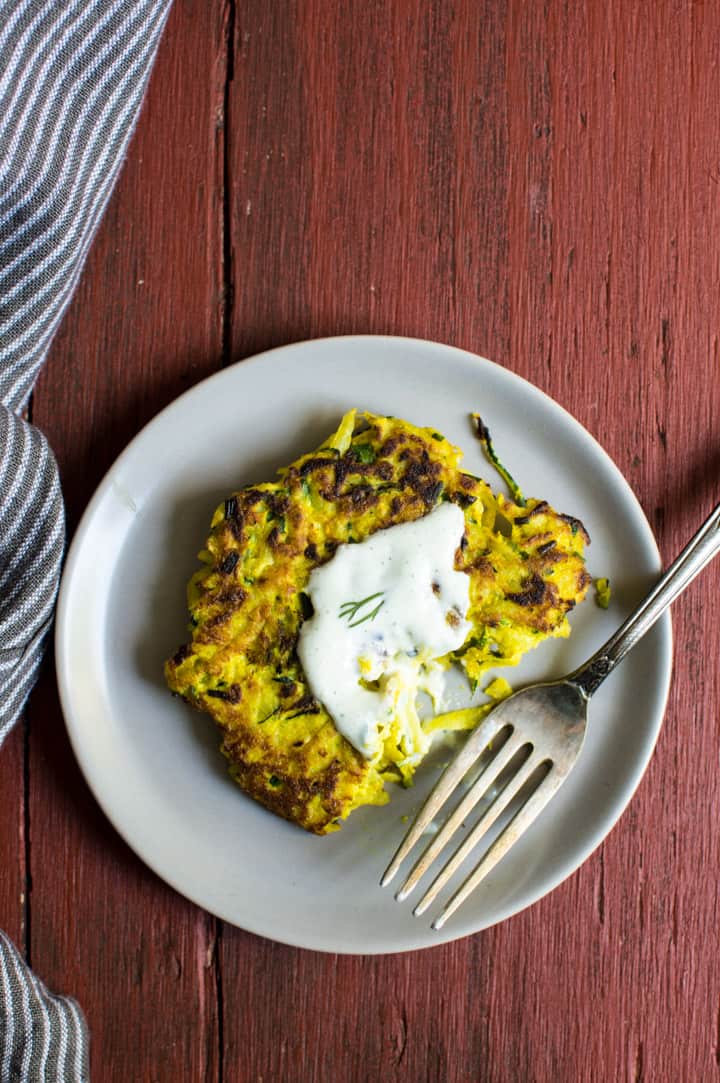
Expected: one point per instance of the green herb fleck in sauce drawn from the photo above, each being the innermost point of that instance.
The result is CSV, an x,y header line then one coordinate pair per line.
x,y
350,610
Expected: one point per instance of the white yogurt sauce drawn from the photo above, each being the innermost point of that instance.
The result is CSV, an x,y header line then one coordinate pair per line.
x,y
384,610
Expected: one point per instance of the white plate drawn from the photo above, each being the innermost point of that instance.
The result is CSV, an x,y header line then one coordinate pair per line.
x,y
153,764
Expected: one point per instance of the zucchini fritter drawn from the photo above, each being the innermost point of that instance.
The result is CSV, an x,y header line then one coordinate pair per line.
x,y
247,604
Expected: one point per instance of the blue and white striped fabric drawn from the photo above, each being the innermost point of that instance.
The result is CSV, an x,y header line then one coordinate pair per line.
x,y
72,79
45,1037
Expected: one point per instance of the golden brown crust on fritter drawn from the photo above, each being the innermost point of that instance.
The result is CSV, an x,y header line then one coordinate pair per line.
x,y
247,604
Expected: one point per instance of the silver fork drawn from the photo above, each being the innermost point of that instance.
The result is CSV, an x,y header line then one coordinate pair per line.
x,y
521,753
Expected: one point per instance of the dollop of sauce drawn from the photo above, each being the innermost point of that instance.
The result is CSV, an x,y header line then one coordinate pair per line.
x,y
385,610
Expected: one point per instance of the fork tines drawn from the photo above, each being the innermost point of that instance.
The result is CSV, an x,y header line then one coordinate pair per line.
x,y
516,780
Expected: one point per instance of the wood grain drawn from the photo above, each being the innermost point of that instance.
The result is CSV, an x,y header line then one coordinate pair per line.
x,y
536,182
13,881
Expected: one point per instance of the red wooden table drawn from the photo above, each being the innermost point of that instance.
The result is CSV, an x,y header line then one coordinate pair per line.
x,y
536,182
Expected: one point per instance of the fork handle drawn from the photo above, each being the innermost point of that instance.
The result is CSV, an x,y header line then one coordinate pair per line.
x,y
696,554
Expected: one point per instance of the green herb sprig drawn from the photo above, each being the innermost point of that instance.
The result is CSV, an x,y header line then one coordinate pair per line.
x,y
350,610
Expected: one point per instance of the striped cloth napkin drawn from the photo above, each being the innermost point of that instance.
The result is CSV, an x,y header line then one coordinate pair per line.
x,y
72,78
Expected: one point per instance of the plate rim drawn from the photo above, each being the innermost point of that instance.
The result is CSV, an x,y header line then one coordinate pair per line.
x,y
603,827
